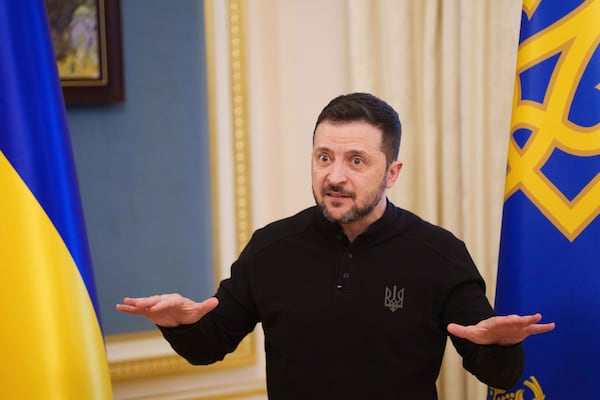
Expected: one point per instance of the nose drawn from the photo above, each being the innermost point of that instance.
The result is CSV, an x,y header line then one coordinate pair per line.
x,y
338,174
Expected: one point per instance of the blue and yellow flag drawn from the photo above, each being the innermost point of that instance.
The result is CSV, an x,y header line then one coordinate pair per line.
x,y
51,342
550,242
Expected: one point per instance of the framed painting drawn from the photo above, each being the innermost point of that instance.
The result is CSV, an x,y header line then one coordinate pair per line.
x,y
86,36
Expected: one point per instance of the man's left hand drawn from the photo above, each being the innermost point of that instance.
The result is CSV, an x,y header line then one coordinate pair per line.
x,y
505,331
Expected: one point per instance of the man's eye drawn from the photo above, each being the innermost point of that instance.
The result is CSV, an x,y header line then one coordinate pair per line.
x,y
323,158
357,161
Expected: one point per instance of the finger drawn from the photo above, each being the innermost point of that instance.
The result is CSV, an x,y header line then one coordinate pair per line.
x,y
541,328
518,320
142,302
458,330
130,301
531,323
137,306
531,319
165,302
130,309
209,304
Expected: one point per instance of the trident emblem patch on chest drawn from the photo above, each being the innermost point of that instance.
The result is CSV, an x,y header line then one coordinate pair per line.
x,y
394,298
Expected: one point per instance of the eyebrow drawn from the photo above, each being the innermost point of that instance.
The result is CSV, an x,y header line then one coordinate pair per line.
x,y
360,153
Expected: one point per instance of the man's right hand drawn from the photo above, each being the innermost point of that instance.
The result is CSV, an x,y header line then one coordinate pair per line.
x,y
168,310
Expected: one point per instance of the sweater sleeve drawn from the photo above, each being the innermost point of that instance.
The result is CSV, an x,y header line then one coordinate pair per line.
x,y
194,343
495,365
220,331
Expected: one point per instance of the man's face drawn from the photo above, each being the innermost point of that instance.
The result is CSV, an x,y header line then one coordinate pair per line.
x,y
349,174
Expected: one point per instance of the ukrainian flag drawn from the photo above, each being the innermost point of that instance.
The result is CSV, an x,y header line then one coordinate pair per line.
x,y
550,242
52,345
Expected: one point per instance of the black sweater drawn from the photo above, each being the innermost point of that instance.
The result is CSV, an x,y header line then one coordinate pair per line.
x,y
361,320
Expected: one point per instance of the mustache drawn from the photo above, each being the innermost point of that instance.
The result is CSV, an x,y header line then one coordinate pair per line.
x,y
336,189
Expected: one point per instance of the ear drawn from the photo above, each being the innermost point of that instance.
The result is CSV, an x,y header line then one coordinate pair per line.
x,y
393,173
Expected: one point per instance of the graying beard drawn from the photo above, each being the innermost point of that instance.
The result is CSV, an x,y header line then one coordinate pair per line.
x,y
353,215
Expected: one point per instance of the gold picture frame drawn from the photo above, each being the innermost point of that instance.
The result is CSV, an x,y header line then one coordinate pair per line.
x,y
86,37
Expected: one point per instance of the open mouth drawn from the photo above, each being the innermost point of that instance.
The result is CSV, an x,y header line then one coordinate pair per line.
x,y
336,194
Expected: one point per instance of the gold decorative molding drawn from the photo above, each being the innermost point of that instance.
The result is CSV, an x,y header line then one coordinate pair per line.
x,y
239,108
236,395
245,354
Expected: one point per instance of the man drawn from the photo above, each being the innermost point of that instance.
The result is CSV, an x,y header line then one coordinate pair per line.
x,y
356,296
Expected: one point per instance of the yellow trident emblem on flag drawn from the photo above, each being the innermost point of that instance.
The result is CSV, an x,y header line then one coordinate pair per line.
x,y
569,43
532,384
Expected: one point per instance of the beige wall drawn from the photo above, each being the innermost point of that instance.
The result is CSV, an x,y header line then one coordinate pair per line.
x,y
296,64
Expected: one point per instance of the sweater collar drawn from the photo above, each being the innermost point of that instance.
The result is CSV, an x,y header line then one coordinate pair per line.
x,y
375,230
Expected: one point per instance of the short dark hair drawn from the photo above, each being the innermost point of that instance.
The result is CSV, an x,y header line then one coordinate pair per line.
x,y
366,107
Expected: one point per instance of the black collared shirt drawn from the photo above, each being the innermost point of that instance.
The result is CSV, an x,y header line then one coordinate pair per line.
x,y
360,320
